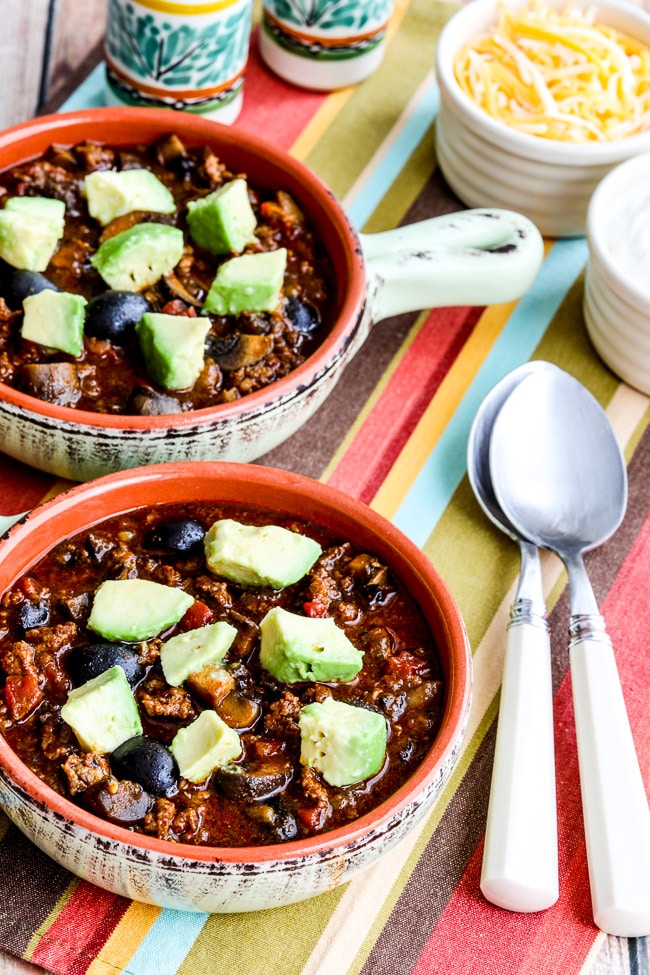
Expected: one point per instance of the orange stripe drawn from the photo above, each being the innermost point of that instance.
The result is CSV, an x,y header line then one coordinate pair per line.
x,y
157,92
318,38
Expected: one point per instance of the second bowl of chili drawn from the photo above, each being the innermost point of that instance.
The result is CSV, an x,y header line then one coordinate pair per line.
x,y
299,801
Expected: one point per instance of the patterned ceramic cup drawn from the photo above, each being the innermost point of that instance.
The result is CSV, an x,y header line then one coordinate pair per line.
x,y
181,54
324,44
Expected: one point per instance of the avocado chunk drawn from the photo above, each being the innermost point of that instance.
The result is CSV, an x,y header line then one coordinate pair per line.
x,y
297,648
139,256
173,347
190,652
267,555
205,745
345,743
136,609
30,230
103,712
252,282
223,221
55,319
112,193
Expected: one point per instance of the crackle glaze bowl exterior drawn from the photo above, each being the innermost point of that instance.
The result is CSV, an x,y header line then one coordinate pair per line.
x,y
225,880
473,257
486,163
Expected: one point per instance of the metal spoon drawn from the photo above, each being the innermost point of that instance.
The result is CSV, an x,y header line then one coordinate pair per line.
x,y
520,860
559,475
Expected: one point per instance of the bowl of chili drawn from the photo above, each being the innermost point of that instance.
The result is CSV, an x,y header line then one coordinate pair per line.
x,y
268,825
95,404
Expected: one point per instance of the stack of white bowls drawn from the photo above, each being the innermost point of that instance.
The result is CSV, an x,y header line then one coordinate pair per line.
x,y
487,163
617,281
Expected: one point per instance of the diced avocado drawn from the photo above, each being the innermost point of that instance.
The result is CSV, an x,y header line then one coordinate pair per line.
x,y
103,713
204,745
136,609
55,319
343,742
297,647
189,652
43,207
173,347
223,221
112,193
252,282
265,555
139,256
30,229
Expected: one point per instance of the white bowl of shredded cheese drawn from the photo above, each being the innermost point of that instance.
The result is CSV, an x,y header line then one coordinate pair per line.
x,y
538,101
616,300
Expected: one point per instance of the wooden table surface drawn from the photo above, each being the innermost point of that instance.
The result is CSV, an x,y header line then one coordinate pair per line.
x,y
46,48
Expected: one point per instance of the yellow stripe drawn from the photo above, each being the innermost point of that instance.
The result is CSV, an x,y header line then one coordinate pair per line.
x,y
441,409
131,931
186,9
46,924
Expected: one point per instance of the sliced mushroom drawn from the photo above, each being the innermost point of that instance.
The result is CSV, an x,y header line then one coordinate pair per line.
x,y
238,711
178,288
145,401
119,802
246,351
54,382
124,222
255,780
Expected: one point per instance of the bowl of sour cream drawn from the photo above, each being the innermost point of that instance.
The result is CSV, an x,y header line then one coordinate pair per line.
x,y
617,282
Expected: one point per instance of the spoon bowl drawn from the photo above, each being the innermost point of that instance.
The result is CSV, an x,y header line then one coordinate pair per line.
x,y
560,477
520,862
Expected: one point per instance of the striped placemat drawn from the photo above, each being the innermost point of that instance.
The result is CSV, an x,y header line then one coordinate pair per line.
x,y
394,434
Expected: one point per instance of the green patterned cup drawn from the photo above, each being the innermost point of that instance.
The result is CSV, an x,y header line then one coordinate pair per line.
x,y
183,54
324,44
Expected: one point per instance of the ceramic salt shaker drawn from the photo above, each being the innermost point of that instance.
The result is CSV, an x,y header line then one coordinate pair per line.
x,y
187,55
324,44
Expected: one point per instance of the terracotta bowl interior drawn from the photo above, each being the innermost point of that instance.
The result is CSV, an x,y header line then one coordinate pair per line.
x,y
301,497
266,167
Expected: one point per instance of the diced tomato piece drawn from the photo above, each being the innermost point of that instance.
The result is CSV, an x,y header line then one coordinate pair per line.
x,y
22,694
312,818
267,747
314,609
406,669
197,615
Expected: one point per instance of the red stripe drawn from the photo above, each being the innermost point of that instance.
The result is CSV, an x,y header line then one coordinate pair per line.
x,y
272,108
21,487
83,926
472,936
391,421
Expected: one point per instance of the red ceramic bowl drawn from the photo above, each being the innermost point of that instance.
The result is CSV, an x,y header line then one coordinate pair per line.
x,y
493,257
241,879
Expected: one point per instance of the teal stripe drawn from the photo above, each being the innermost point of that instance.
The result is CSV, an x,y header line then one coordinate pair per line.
x,y
167,943
383,177
89,94
434,487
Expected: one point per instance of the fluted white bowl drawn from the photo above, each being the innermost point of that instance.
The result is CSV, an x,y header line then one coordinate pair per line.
x,y
487,163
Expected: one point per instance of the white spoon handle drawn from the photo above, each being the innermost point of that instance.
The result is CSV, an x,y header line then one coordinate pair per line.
x,y
520,862
615,806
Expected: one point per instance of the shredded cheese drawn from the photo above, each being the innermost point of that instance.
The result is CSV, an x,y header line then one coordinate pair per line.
x,y
558,75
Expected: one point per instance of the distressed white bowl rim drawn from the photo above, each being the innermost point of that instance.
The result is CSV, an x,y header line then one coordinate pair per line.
x,y
471,20
22,543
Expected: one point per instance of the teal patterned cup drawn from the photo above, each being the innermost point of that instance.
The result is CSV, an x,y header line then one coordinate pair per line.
x,y
182,54
324,44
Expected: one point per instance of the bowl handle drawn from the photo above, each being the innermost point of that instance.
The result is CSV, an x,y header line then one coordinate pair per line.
x,y
473,257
